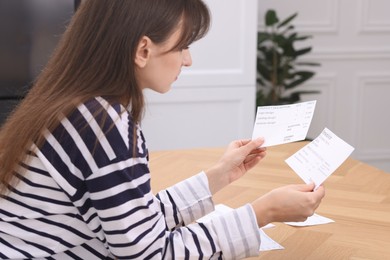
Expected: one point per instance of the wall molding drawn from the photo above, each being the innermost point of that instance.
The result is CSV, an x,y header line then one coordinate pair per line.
x,y
329,25
374,155
367,24
365,81
227,55
344,53
214,116
325,83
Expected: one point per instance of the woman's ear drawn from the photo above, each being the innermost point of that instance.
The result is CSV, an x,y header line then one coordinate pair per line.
x,y
143,52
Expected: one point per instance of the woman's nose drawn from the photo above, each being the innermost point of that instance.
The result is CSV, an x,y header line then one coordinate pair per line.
x,y
187,60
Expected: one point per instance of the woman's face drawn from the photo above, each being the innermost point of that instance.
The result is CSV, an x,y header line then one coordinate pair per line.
x,y
161,66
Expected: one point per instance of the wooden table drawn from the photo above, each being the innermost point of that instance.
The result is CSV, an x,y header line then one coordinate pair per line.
x,y
357,199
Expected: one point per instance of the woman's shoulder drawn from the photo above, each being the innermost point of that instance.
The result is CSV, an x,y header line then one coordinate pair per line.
x,y
98,115
101,125
99,104
101,110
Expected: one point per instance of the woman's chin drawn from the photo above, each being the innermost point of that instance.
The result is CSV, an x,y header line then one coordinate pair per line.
x,y
161,90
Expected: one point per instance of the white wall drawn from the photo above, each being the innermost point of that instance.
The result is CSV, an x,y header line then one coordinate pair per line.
x,y
352,42
213,102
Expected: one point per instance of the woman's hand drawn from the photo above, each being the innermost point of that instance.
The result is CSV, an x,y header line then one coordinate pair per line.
x,y
239,157
288,203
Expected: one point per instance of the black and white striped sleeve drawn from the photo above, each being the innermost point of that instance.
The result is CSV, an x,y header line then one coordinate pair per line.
x,y
186,201
233,235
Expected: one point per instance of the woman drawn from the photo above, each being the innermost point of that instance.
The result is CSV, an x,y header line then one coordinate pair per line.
x,y
74,177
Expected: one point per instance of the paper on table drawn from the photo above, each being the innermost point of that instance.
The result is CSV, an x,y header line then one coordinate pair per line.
x,y
317,160
311,221
269,225
267,243
284,123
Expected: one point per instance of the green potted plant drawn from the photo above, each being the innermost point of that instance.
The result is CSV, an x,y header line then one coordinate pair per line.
x,y
279,69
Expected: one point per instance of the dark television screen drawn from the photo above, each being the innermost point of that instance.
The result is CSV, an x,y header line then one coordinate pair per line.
x,y
29,32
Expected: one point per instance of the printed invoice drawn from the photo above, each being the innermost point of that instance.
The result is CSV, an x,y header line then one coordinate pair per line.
x,y
283,123
320,158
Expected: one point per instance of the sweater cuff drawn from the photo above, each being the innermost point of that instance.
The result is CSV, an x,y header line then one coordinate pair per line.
x,y
192,197
238,233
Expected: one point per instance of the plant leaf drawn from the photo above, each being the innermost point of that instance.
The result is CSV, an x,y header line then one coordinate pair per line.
x,y
277,61
301,76
307,64
271,18
289,28
303,51
289,50
280,40
260,82
287,20
263,36
264,72
302,38
296,96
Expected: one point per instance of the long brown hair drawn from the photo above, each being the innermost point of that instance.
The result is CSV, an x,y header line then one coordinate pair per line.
x,y
95,57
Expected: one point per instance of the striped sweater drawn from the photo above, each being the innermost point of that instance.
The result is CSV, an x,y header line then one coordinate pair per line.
x,y
86,194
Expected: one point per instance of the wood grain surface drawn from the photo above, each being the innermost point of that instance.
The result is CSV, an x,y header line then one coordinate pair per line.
x,y
357,199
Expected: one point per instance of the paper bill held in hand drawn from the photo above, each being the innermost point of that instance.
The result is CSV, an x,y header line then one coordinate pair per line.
x,y
317,160
284,123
